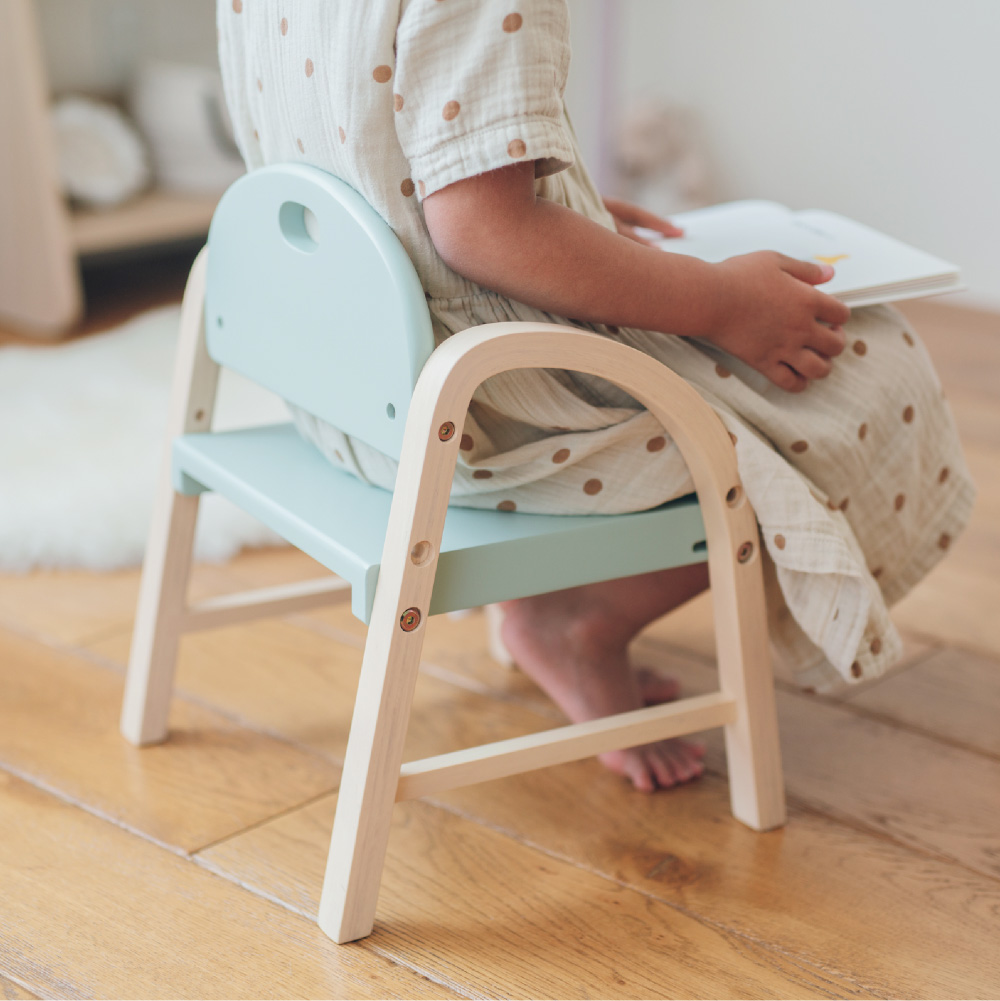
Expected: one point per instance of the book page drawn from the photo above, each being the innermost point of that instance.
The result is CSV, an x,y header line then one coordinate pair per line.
x,y
863,259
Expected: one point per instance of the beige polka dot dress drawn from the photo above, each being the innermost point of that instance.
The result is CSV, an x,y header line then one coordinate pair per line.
x,y
858,483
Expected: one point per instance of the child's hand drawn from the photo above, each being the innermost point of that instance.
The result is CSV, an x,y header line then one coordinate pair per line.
x,y
627,216
777,322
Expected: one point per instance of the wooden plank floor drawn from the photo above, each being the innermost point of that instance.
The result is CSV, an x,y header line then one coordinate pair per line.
x,y
193,869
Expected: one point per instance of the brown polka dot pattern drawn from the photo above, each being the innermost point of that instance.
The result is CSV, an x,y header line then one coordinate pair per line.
x,y
382,74
908,415
876,646
466,444
342,134
899,502
407,188
656,444
451,110
512,22
779,541
260,85
860,348
877,572
506,505
862,432
944,474
256,135
722,372
516,149
799,446
855,670
909,340
397,102
945,541
237,6
561,455
284,25
298,142
592,487
309,67
482,474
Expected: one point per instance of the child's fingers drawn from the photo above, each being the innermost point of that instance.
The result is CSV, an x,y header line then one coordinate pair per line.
x,y
785,377
806,271
624,229
811,365
635,215
828,341
832,311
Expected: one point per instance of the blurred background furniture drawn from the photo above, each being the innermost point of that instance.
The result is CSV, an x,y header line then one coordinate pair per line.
x,y
43,237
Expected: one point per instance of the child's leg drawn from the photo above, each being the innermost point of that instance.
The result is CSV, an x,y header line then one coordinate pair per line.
x,y
573,644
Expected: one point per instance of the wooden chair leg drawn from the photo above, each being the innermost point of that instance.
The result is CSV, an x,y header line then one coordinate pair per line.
x,y
168,557
753,752
149,684
371,775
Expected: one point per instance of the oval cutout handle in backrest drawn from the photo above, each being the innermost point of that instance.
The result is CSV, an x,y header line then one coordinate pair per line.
x,y
310,293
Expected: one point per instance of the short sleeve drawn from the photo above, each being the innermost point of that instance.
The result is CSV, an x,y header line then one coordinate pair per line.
x,y
479,85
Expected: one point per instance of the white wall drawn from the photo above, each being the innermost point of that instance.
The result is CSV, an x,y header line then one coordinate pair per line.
x,y
884,110
595,34
94,46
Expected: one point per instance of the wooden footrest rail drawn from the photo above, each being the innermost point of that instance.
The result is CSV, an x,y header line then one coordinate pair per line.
x,y
567,743
282,599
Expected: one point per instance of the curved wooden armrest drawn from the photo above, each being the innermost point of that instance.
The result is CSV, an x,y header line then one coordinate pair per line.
x,y
468,358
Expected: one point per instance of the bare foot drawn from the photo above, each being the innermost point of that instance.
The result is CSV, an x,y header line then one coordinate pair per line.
x,y
571,646
656,688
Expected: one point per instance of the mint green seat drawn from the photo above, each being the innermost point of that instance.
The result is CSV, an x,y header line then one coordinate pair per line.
x,y
305,290
277,476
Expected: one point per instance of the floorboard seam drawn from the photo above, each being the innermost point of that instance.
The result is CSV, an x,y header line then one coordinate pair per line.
x,y
88,808
913,728
203,864
109,664
32,990
679,908
978,651
804,961
208,866
304,804
915,848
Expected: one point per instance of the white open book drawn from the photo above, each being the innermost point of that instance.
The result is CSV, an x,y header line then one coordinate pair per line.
x,y
870,266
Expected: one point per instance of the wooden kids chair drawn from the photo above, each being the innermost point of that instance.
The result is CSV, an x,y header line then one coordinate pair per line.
x,y
304,289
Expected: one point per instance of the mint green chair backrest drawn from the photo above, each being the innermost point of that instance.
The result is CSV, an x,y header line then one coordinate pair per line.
x,y
311,295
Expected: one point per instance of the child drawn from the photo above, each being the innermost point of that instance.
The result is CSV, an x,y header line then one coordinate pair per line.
x,y
447,116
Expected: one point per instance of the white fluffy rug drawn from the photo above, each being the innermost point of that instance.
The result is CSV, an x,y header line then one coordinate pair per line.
x,y
81,439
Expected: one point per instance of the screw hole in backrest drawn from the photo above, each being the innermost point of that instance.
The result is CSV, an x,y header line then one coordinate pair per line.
x,y
299,226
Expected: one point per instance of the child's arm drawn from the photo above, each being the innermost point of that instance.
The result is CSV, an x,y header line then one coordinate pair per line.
x,y
760,307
